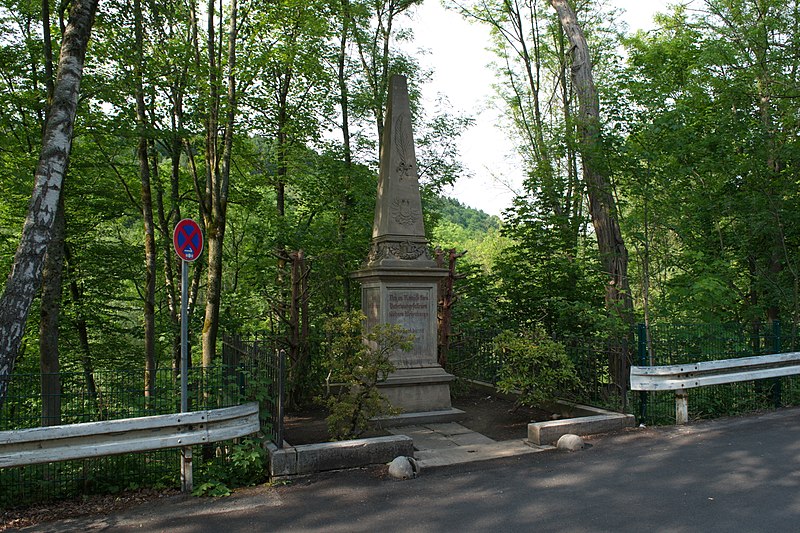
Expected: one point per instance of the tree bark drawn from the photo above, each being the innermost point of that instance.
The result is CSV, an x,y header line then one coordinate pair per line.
x,y
347,196
26,272
48,326
602,207
142,153
52,274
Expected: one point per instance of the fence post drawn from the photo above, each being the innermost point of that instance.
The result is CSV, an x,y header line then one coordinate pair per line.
x,y
776,348
641,332
681,407
281,379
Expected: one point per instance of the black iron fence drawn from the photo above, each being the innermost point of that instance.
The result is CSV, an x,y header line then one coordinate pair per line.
x,y
250,372
255,363
471,356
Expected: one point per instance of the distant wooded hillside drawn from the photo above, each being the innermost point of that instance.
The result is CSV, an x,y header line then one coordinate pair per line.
x,y
473,220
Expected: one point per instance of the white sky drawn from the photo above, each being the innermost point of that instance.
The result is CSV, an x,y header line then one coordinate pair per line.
x,y
460,62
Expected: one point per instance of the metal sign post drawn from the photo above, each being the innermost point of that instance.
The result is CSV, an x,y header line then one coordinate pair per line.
x,y
188,241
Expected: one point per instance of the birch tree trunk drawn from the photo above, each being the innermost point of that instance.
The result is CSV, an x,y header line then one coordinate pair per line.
x,y
602,207
26,271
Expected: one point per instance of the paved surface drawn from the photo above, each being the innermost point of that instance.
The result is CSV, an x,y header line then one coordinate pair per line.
x,y
452,443
729,475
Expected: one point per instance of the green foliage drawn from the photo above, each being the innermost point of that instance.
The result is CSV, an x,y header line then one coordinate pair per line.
x,y
704,163
535,366
212,488
245,465
357,361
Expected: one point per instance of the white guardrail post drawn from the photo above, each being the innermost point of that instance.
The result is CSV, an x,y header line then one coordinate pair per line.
x,y
97,439
682,377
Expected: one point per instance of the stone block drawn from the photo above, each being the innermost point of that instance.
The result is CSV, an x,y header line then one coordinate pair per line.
x,y
282,461
351,453
550,431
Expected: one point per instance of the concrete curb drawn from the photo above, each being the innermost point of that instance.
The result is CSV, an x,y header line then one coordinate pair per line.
x,y
577,419
310,458
549,432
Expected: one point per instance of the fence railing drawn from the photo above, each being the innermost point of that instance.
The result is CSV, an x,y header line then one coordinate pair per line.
x,y
98,439
682,377
119,394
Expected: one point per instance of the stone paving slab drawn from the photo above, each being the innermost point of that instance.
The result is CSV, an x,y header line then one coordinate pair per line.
x,y
451,428
425,438
479,452
451,443
471,439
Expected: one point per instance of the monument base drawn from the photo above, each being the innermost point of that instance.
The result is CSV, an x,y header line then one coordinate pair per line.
x,y
418,389
420,418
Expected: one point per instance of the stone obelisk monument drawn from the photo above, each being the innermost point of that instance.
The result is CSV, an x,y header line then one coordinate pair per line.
x,y
400,279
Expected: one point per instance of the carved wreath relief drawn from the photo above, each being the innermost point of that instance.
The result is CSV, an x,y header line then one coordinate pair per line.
x,y
403,213
406,250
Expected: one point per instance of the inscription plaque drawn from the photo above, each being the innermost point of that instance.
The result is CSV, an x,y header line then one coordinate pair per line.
x,y
411,308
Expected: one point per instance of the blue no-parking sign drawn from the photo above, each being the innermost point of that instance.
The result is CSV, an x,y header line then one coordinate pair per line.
x,y
188,240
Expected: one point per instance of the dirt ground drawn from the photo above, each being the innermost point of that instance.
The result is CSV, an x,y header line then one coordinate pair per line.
x,y
486,413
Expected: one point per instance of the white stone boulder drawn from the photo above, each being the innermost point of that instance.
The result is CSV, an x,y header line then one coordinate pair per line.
x,y
403,467
569,443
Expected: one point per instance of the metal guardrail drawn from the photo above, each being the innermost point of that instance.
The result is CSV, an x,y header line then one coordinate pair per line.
x,y
97,439
691,375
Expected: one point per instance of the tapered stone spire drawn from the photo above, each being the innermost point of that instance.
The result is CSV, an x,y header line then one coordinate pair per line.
x,y
398,232
400,280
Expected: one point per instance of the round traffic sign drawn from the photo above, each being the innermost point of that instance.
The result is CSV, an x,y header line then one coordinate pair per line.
x,y
187,239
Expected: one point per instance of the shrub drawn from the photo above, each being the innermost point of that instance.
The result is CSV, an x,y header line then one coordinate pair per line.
x,y
535,366
245,465
358,361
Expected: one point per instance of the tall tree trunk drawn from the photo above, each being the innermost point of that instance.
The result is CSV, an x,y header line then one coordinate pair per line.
x,y
218,178
167,222
142,153
48,325
26,272
375,55
602,207
52,274
347,199
170,264
297,322
282,171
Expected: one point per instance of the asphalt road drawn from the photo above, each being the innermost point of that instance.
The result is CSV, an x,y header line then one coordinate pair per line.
x,y
740,474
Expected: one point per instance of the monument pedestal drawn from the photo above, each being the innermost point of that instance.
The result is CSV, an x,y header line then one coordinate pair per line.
x,y
408,298
400,280
418,389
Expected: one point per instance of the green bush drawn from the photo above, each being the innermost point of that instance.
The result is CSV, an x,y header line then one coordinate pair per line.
x,y
245,465
359,360
534,365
